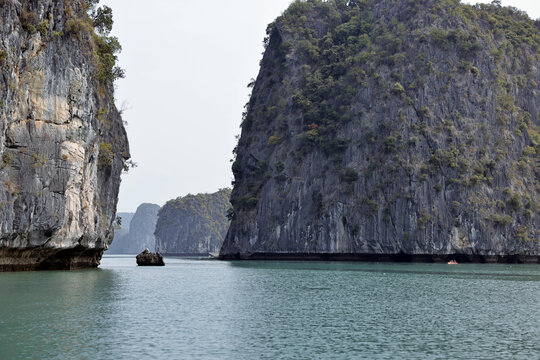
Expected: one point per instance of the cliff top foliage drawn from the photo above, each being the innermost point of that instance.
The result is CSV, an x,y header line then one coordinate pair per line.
x,y
84,20
107,47
434,90
341,44
200,204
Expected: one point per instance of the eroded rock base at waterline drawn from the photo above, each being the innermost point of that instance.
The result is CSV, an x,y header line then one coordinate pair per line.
x,y
400,257
49,259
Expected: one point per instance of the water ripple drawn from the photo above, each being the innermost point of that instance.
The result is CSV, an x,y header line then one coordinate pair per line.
x,y
272,310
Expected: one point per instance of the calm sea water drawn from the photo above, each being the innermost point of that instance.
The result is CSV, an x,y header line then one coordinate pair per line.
x,y
194,309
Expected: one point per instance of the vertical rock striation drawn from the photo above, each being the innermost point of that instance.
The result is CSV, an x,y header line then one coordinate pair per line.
x,y
392,130
194,224
62,141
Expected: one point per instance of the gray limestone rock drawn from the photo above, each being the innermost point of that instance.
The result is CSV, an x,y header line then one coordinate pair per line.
x,y
62,141
140,234
120,233
147,258
194,224
393,130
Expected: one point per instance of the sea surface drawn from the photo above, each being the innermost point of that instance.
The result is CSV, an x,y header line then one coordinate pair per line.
x,y
195,309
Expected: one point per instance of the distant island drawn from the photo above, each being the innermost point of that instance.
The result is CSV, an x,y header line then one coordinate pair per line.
x,y
392,130
136,231
193,224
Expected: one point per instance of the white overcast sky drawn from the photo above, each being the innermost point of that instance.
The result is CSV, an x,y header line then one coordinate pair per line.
x,y
188,64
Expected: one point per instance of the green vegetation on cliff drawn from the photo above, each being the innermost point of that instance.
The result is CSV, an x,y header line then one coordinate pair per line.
x,y
193,224
63,145
403,108
94,22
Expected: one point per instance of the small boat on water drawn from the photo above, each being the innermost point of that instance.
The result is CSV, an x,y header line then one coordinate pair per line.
x,y
452,262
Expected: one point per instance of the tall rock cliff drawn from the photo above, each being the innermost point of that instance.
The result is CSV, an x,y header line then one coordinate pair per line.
x,y
62,141
392,130
140,233
194,224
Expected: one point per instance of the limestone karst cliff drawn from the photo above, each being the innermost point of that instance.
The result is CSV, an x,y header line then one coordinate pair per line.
x,y
140,231
392,130
193,224
62,141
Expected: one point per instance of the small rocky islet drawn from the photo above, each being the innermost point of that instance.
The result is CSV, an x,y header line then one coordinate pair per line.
x,y
147,258
387,130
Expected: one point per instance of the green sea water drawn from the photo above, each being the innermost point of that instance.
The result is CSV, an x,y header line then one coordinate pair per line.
x,y
192,309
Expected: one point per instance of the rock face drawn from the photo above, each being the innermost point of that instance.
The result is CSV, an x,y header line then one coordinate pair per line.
x,y
392,130
120,232
62,141
140,234
194,224
147,258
